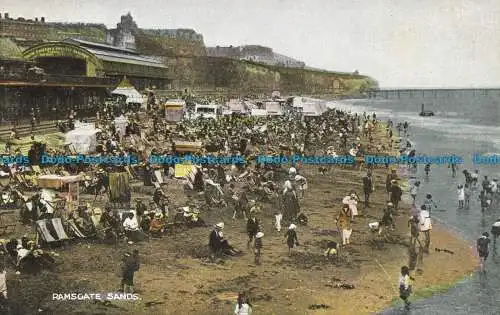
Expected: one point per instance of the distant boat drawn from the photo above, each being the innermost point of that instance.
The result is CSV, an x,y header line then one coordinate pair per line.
x,y
425,113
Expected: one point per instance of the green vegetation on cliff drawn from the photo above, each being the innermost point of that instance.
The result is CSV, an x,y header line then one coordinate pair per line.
x,y
9,49
250,77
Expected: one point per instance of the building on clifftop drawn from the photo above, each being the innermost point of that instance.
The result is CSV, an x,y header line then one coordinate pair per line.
x,y
123,36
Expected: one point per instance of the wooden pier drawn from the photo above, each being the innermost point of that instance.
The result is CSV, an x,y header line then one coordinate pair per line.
x,y
428,93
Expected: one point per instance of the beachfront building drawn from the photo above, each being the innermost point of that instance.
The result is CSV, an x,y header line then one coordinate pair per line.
x,y
73,73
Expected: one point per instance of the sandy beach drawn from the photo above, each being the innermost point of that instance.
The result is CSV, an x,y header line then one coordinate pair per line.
x,y
176,278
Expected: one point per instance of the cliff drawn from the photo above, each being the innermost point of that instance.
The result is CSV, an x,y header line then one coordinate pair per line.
x,y
165,46
243,77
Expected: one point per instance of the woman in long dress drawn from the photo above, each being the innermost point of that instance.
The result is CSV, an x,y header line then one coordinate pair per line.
x,y
344,224
290,203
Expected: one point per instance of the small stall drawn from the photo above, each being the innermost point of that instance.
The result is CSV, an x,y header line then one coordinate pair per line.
x,y
68,187
174,110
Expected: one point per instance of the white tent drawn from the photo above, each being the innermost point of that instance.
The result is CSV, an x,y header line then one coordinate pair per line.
x,y
84,140
130,93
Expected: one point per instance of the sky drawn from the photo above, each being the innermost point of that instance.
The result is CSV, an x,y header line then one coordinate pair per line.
x,y
400,43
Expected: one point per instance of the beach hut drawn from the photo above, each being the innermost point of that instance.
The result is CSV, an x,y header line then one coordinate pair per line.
x,y
273,108
235,106
174,109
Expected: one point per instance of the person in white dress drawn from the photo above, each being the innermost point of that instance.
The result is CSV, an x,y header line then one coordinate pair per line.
x,y
301,183
242,306
461,196
352,202
426,227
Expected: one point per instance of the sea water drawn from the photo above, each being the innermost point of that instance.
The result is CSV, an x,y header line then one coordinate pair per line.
x,y
465,123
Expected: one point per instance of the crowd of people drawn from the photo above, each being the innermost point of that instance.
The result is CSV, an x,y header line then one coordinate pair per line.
x,y
243,189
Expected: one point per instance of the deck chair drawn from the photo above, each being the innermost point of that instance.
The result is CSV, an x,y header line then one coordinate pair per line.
x,y
36,169
19,178
7,227
131,172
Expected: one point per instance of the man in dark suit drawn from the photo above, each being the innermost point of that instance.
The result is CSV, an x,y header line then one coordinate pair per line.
x,y
368,188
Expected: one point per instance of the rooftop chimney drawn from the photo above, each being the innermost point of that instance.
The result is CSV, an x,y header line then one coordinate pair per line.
x,y
36,19
0,15
42,19
6,16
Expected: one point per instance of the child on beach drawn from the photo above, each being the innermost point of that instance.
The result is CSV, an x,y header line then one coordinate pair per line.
x,y
428,203
291,238
485,201
243,306
461,196
467,193
414,190
405,287
483,249
427,169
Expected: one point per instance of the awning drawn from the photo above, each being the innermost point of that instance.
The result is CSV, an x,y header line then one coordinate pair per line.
x,y
130,93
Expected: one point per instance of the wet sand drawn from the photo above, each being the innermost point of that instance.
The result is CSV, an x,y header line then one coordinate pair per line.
x,y
176,278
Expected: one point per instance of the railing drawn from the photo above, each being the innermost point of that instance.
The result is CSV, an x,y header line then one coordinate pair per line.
x,y
69,79
58,79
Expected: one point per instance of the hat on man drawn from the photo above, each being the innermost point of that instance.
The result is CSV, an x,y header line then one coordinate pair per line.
x,y
292,227
259,235
220,225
